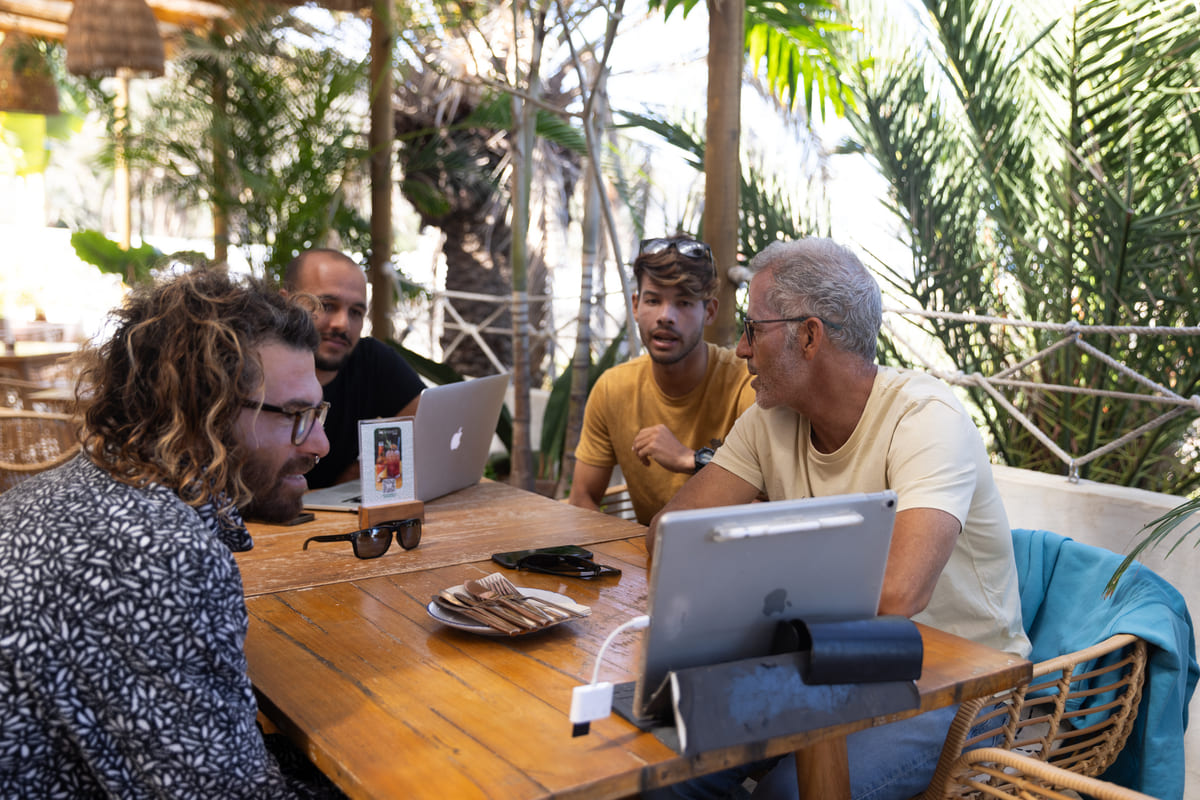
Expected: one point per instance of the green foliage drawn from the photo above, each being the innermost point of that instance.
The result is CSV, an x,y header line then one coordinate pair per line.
x,y
795,45
96,249
768,211
264,123
1047,169
1155,532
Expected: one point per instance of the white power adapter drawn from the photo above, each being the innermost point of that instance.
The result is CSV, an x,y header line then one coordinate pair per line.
x,y
593,701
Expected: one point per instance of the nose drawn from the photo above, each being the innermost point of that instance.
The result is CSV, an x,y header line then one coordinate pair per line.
x,y
317,443
667,313
744,350
336,319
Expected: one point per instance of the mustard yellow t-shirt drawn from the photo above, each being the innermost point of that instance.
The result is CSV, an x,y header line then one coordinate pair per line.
x,y
626,399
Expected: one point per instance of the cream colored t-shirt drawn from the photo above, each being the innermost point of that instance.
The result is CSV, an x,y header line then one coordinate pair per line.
x,y
626,399
915,438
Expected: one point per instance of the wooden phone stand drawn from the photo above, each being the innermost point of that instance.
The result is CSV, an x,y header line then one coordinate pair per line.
x,y
374,515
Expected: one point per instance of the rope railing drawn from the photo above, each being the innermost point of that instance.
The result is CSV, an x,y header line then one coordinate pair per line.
x,y
1073,336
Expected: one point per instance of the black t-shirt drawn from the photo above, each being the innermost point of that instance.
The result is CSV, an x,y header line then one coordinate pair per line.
x,y
374,382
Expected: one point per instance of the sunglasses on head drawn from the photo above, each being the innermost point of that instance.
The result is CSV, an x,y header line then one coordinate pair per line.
x,y
565,565
374,542
688,248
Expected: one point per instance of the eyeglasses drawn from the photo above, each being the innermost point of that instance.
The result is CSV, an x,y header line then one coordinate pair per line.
x,y
374,542
302,420
565,565
749,323
688,248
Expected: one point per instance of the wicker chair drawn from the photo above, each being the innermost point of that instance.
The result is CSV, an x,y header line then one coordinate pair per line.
x,y
995,773
617,502
32,441
16,393
1044,720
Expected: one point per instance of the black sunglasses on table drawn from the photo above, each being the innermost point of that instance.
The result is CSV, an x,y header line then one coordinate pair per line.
x,y
375,541
688,248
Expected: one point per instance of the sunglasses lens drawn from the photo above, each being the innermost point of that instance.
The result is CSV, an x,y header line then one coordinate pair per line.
x,y
408,533
650,247
372,542
693,249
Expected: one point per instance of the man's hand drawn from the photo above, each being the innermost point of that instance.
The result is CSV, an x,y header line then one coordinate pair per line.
x,y
660,444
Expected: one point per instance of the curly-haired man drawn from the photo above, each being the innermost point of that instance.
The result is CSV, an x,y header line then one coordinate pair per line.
x,y
122,620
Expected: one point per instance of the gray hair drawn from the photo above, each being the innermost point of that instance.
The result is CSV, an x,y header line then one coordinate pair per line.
x,y
820,278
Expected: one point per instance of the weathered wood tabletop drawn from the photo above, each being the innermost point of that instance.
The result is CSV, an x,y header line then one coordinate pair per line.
x,y
390,702
467,525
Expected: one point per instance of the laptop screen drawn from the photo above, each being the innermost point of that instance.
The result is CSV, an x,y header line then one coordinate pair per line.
x,y
722,578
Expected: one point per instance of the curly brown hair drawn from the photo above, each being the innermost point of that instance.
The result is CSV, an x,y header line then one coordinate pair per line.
x,y
165,391
669,267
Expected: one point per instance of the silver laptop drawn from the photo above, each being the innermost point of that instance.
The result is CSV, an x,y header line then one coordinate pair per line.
x,y
452,435
722,578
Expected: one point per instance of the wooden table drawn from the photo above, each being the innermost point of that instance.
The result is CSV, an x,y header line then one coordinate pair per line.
x,y
390,703
465,526
28,359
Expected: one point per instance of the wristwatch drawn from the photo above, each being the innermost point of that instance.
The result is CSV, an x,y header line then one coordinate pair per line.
x,y
703,456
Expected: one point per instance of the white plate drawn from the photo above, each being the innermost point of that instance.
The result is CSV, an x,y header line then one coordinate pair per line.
x,y
464,623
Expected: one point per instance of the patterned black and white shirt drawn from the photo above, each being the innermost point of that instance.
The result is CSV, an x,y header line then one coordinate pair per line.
x,y
122,624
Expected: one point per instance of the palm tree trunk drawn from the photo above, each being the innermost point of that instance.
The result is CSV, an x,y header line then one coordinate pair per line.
x,y
722,168
523,139
381,141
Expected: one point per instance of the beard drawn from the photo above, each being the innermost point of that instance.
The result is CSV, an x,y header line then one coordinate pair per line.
x,y
333,364
273,501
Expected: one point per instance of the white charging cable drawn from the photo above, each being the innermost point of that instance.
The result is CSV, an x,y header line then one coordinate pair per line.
x,y
594,700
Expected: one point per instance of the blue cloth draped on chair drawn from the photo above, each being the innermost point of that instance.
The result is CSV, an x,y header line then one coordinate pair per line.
x,y
1062,586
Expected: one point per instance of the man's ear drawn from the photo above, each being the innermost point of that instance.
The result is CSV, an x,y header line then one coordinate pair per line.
x,y
812,328
636,295
710,310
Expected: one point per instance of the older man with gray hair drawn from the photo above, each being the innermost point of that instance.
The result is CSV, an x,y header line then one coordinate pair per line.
x,y
829,420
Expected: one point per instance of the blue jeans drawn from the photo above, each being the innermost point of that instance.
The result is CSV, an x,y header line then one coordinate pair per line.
x,y
889,762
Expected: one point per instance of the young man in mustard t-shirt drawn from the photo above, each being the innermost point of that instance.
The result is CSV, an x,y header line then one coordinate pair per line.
x,y
661,415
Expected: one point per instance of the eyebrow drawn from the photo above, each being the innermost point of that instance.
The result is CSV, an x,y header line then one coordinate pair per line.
x,y
355,305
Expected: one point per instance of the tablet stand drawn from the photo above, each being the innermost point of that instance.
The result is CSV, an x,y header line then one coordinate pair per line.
x,y
754,699
369,516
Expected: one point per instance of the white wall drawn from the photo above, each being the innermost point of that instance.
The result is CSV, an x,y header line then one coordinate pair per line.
x,y
1109,517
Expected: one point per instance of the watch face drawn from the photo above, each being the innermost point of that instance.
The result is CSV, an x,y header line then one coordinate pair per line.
x,y
703,456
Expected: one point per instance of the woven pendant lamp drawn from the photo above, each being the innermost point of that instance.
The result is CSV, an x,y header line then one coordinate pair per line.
x,y
107,36
26,82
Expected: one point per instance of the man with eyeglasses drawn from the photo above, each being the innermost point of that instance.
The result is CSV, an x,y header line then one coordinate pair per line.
x,y
660,416
363,378
829,420
122,618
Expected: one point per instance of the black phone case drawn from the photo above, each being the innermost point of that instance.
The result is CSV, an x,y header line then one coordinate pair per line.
x,y
511,558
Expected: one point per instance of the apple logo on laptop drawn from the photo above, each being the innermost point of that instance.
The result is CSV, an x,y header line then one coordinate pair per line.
x,y
456,439
775,602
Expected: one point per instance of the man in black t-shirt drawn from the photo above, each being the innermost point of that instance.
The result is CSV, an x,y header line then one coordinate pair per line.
x,y
363,378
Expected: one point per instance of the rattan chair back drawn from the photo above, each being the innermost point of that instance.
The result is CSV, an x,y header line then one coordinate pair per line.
x,y
996,773
1075,714
33,441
